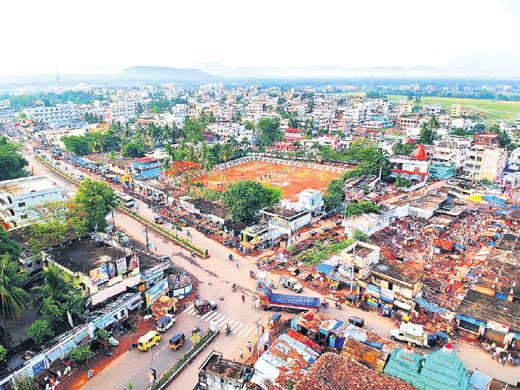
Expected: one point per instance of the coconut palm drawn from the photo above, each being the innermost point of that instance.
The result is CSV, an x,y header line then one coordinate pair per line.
x,y
57,286
13,298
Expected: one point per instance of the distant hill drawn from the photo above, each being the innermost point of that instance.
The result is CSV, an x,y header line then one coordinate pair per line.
x,y
162,73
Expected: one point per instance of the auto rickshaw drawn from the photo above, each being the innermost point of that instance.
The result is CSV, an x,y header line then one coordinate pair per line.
x,y
176,341
352,300
275,320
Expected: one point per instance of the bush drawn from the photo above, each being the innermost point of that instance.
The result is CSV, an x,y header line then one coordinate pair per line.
x,y
40,331
80,354
3,353
102,334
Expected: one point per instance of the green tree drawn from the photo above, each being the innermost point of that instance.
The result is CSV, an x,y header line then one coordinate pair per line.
x,y
335,194
426,136
11,162
40,331
57,285
369,158
360,207
13,298
76,144
80,354
54,223
402,149
8,246
360,236
95,200
23,382
245,198
192,129
402,182
250,125
133,150
269,129
3,353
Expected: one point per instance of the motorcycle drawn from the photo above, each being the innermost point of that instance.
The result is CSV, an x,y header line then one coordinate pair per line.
x,y
324,303
231,257
272,285
234,287
192,254
195,330
338,305
132,346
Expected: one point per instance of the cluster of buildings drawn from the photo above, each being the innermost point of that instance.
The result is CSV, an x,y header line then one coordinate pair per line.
x,y
320,352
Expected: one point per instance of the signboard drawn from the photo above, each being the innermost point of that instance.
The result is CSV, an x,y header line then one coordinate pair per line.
x,y
387,294
132,261
497,327
156,291
121,265
155,269
112,270
99,275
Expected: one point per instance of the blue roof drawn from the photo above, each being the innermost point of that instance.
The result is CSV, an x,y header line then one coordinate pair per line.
x,y
325,268
493,199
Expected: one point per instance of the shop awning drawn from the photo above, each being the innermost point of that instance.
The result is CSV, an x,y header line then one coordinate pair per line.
x,y
431,307
493,199
471,320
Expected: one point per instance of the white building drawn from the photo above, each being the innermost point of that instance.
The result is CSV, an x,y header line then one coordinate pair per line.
x,y
308,200
121,112
60,115
19,196
432,109
6,114
282,220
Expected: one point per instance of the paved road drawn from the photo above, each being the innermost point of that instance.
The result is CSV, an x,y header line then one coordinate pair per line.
x,y
216,275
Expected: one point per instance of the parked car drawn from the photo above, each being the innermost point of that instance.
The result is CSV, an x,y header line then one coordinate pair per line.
x,y
165,322
356,321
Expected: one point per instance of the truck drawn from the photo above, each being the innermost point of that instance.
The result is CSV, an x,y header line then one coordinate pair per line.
x,y
291,283
413,334
286,302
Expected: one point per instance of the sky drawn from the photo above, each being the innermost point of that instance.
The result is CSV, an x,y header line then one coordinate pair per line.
x,y
100,36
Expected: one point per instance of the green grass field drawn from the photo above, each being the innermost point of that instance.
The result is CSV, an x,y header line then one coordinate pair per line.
x,y
494,110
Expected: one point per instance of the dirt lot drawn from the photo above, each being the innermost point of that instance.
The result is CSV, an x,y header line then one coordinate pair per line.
x,y
290,179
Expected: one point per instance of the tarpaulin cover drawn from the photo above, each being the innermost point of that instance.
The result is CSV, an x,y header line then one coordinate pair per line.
x,y
459,245
447,245
325,268
475,198
431,307
479,381
493,199
470,320
502,212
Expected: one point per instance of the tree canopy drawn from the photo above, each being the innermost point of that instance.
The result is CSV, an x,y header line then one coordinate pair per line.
x,y
401,149
133,150
76,144
13,298
8,246
269,130
95,200
360,207
11,162
245,198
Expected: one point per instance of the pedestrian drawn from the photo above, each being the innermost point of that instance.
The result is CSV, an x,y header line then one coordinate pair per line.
x,y
237,263
243,299
249,346
89,373
241,353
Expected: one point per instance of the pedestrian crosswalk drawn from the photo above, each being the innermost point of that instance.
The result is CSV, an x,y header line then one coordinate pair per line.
x,y
220,320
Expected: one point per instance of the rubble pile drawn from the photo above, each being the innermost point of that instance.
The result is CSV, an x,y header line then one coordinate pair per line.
x,y
335,372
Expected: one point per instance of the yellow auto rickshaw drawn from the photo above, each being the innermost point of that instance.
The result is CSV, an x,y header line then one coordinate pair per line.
x,y
275,320
148,340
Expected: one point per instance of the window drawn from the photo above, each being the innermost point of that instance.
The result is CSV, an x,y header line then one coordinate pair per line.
x,y
23,216
21,204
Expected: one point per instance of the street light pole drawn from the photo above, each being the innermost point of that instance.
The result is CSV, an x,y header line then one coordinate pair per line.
x,y
146,234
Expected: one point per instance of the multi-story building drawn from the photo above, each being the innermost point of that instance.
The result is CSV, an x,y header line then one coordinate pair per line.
x,y
60,115
408,121
485,162
6,113
101,269
18,197
146,167
121,112
432,109
414,168
456,110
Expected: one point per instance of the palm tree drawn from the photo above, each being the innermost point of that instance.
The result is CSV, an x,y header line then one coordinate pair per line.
x,y
57,286
13,298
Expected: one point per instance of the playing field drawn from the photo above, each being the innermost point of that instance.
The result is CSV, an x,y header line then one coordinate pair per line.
x,y
494,110
291,180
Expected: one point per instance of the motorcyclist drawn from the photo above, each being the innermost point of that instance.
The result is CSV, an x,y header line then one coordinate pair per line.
x,y
234,287
228,328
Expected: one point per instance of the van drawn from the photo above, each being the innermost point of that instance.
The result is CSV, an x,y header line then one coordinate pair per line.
x,y
165,322
148,340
